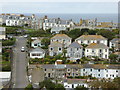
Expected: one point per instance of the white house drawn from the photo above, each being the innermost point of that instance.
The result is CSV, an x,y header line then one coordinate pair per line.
x,y
101,71
0,47
56,22
74,51
73,83
36,43
37,53
88,39
55,48
95,49
2,33
58,29
4,78
61,38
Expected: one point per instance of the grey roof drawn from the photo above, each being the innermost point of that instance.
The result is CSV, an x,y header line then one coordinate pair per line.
x,y
75,45
77,66
96,46
115,40
38,49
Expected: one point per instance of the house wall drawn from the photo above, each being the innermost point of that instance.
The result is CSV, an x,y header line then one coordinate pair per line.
x,y
104,53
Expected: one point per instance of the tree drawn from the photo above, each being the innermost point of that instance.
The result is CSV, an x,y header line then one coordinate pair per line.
x,y
78,60
113,57
29,87
46,42
106,33
74,33
59,87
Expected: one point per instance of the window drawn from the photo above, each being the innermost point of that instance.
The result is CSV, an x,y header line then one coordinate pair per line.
x,y
83,69
98,70
45,69
60,49
87,50
116,70
113,75
99,75
77,49
90,69
105,50
100,50
106,75
88,41
93,51
105,56
51,49
35,44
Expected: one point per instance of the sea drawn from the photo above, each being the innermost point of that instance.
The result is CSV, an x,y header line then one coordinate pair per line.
x,y
76,17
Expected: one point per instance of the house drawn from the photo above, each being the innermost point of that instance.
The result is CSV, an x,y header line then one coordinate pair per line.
x,y
88,39
94,49
4,78
55,48
2,33
58,29
73,83
115,43
74,51
37,53
56,22
36,43
101,71
61,38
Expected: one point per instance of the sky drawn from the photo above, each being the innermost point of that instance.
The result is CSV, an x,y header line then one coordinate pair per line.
x,y
59,6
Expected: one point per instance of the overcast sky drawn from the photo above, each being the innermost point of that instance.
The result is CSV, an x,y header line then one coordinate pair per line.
x,y
73,6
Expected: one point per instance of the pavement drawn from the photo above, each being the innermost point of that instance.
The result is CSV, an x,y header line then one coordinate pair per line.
x,y
19,72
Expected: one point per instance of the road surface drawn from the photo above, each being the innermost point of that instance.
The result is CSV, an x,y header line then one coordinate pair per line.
x,y
19,73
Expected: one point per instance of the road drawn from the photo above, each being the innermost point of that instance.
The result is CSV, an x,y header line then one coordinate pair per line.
x,y
19,74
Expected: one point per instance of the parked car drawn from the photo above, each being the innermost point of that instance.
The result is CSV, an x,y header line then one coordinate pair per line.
x,y
22,49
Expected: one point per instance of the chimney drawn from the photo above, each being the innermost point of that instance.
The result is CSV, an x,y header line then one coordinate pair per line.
x,y
45,17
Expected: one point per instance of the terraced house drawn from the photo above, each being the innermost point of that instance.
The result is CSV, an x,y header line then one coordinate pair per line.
x,y
56,22
61,38
88,39
60,71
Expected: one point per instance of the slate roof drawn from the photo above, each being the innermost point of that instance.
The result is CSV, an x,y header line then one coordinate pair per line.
x,y
115,40
60,36
75,45
91,37
38,49
2,30
96,46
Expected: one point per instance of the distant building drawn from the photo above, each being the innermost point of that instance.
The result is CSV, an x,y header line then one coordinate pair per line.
x,y
88,39
55,48
100,50
58,29
37,53
61,38
56,22
2,33
74,51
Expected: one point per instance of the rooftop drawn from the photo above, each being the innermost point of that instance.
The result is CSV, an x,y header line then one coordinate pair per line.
x,y
91,37
75,45
60,36
96,46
